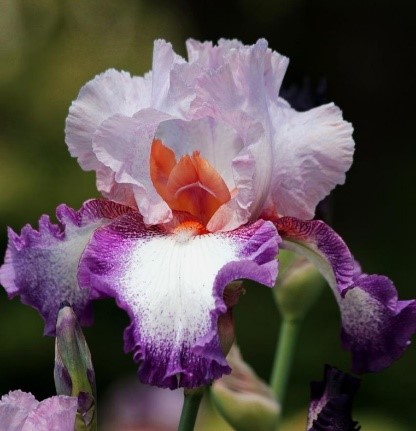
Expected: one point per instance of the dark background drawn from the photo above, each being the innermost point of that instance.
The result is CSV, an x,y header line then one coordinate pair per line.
x,y
365,52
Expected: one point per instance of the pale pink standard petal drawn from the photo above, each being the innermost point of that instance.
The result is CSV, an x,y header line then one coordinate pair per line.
x,y
172,81
209,56
123,144
238,93
110,189
110,93
312,151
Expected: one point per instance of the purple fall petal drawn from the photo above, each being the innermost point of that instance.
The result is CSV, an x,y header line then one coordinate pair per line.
x,y
331,402
41,265
323,246
376,326
171,285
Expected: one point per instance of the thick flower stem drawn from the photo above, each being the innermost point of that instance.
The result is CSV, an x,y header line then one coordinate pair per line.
x,y
190,408
285,349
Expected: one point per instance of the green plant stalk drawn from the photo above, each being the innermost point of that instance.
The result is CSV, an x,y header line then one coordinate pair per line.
x,y
191,402
285,349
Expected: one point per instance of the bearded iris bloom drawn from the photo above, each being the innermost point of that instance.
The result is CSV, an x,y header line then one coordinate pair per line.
x,y
205,171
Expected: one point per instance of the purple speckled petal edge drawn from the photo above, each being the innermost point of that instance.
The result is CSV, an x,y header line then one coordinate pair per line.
x,y
41,265
323,246
376,326
172,290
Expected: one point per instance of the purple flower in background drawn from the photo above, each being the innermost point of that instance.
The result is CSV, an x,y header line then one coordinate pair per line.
x,y
200,161
130,405
331,402
20,411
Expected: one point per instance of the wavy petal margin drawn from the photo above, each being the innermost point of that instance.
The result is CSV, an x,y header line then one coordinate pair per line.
x,y
376,326
20,411
322,246
331,402
312,151
41,265
171,285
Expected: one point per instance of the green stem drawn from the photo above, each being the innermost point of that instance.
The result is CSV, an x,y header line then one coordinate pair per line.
x,y
283,359
190,408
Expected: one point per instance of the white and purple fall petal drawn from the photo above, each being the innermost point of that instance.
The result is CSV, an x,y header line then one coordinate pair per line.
x,y
376,326
172,286
41,265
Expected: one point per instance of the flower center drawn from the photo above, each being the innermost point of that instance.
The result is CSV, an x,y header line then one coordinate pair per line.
x,y
191,185
187,230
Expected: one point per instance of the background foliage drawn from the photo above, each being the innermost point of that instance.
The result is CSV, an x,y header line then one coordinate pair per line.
x,y
364,51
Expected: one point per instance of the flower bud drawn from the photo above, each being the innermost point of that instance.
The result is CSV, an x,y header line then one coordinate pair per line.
x,y
244,400
74,373
298,285
226,322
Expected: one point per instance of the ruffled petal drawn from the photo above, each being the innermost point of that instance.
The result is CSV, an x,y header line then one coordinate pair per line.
x,y
172,81
20,411
312,151
331,402
41,265
15,408
376,326
53,414
211,57
171,285
123,144
237,90
322,246
109,93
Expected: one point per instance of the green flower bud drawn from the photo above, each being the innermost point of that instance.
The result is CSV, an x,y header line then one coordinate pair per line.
x,y
74,373
244,400
298,286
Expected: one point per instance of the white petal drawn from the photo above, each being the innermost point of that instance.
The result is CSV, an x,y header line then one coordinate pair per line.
x,y
172,287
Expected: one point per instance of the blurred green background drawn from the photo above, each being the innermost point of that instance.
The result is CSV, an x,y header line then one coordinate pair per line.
x,y
364,51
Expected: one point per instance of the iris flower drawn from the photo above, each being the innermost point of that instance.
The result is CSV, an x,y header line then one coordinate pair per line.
x,y
205,171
